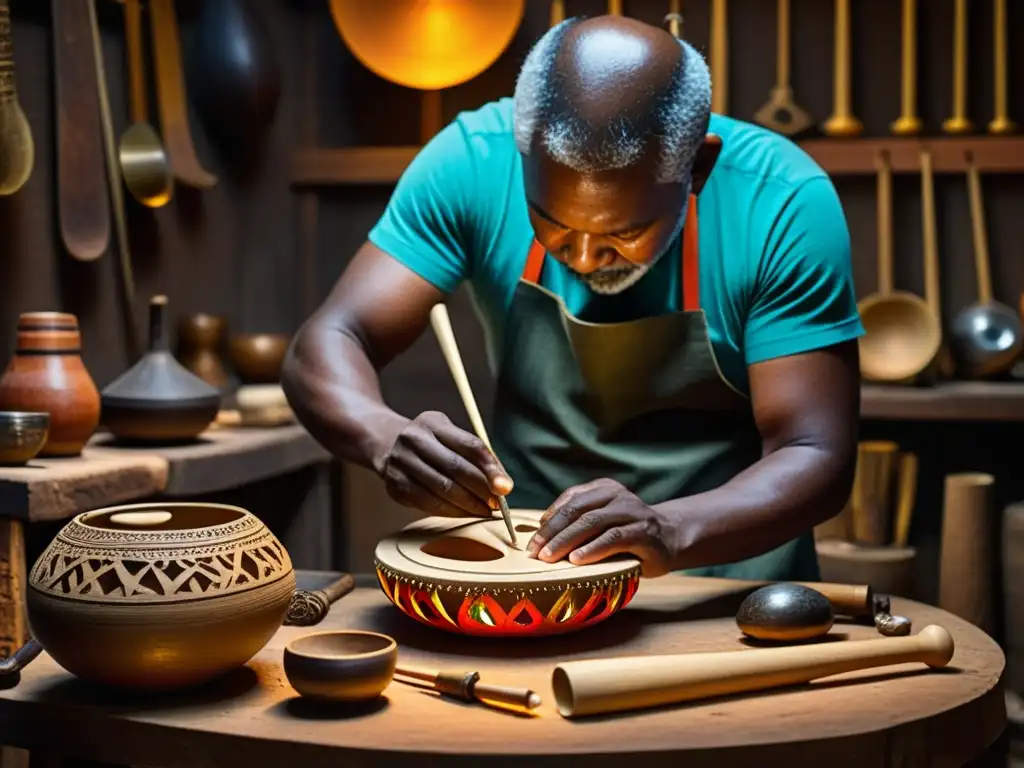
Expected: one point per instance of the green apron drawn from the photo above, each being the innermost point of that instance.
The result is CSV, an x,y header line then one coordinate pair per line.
x,y
642,402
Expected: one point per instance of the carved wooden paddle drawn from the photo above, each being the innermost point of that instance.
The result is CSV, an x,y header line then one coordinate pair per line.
x,y
82,202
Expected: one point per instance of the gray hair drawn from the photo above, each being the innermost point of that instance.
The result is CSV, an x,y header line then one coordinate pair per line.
x,y
679,119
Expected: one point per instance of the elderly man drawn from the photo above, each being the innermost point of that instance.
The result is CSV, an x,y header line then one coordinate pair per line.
x,y
675,349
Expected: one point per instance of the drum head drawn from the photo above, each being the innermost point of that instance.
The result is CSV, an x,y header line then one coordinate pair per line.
x,y
476,553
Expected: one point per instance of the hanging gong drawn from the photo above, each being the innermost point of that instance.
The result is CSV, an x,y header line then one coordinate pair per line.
x,y
427,44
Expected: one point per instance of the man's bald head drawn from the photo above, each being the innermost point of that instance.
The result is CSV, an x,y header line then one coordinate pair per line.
x,y
597,94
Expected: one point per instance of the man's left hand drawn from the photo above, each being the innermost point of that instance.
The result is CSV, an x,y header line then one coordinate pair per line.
x,y
589,522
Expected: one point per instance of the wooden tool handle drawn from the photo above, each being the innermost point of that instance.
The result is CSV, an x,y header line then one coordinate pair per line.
x,y
907,497
884,215
929,234
599,686
442,325
7,85
782,23
978,232
133,41
675,18
522,698
1000,121
908,63
841,73
431,115
557,12
960,60
467,686
846,599
719,57
615,7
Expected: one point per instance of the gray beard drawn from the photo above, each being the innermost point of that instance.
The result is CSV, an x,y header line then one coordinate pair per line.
x,y
609,282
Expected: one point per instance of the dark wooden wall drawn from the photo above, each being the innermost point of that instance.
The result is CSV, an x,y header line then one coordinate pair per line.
x,y
229,250
233,250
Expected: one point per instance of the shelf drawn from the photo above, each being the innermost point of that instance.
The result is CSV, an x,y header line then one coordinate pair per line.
x,y
954,401
858,157
355,165
107,474
840,157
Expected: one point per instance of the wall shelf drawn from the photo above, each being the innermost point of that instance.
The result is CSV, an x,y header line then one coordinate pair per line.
x,y
952,401
840,157
858,157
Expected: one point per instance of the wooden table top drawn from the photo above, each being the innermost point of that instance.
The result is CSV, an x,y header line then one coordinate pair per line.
x,y
107,474
897,715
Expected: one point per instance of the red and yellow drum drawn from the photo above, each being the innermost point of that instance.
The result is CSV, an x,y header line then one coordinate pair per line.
x,y
464,576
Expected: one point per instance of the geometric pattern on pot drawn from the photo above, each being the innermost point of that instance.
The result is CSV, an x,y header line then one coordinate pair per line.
x,y
90,560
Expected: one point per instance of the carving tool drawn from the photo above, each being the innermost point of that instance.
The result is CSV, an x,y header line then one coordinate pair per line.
x,y
442,325
781,113
467,686
308,607
908,123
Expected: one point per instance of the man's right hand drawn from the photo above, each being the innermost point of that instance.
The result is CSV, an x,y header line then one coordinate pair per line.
x,y
440,469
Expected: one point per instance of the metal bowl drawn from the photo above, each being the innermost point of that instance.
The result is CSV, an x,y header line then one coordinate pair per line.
x,y
22,435
986,339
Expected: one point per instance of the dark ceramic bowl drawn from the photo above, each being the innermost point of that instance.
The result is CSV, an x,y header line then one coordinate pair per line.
x,y
342,666
22,435
258,357
158,423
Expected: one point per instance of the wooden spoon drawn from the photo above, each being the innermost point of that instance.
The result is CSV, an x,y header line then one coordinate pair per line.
x,y
842,123
171,92
17,150
144,162
781,113
82,203
1001,123
959,123
908,123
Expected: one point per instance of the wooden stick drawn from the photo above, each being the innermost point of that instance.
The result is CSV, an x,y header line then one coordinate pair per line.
x,y
719,56
309,607
598,686
442,325
467,686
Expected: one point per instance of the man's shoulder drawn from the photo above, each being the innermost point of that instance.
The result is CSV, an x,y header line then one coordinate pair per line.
x,y
493,120
751,151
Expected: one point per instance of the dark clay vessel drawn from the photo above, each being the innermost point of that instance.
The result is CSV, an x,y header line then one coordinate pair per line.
x,y
785,612
158,401
200,338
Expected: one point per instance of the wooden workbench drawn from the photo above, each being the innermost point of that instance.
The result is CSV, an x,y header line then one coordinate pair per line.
x,y
906,715
220,466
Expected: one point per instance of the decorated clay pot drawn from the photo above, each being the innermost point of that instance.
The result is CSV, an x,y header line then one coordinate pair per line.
x,y
46,375
465,577
159,596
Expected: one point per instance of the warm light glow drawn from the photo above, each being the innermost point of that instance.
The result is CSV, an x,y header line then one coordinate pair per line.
x,y
427,44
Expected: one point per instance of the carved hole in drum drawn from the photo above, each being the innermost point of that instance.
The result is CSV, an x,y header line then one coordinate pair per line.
x,y
455,548
526,528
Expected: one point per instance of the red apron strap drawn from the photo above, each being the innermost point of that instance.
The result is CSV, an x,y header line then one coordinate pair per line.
x,y
534,263
691,259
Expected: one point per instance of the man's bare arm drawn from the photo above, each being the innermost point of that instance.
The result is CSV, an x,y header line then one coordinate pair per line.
x,y
807,408
377,310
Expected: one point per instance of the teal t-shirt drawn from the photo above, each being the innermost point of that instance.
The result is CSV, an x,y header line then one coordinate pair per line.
x,y
775,271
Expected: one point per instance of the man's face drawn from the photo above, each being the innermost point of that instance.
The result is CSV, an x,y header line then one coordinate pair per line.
x,y
608,227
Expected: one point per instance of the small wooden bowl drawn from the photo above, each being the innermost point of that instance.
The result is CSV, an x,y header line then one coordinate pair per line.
x,y
258,357
342,666
22,435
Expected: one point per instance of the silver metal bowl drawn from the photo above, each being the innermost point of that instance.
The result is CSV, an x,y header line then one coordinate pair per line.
x,y
22,435
986,339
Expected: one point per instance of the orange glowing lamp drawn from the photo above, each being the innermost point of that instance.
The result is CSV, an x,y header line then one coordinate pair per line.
x,y
427,44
